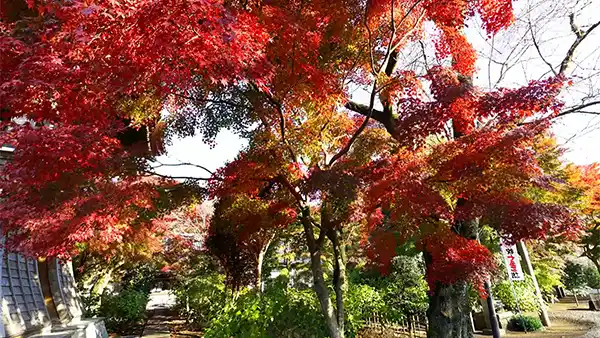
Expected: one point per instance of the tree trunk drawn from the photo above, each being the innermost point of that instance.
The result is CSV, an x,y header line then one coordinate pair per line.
x,y
259,269
449,309
339,274
576,300
314,247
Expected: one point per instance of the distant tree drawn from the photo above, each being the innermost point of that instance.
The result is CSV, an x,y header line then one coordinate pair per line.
x,y
592,277
586,179
240,233
574,278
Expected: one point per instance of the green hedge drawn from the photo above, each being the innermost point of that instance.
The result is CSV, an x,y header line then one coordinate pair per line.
x,y
124,310
524,323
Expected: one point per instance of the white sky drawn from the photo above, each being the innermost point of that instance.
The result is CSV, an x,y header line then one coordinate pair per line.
x,y
580,134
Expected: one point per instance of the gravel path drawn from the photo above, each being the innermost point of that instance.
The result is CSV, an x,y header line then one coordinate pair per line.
x,y
581,316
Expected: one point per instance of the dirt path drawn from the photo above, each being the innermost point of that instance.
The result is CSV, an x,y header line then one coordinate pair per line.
x,y
568,321
163,321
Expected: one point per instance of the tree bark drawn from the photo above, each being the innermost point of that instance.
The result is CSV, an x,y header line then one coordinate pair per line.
x,y
449,309
314,247
339,275
259,269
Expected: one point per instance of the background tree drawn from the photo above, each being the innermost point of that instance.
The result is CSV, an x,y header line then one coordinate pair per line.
x,y
592,277
587,180
84,72
574,278
240,234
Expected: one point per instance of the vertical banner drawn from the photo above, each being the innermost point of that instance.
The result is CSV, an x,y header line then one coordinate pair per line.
x,y
513,262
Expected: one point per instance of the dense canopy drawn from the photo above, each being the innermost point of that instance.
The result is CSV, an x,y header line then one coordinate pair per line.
x,y
357,112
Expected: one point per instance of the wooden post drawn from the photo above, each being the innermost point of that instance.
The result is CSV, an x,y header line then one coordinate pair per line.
x,y
529,269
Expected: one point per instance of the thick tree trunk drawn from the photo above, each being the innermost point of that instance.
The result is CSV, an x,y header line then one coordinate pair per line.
x,y
314,247
449,309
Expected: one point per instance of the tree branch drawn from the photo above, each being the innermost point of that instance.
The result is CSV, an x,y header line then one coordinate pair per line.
x,y
184,164
229,103
362,127
581,35
151,173
279,107
291,189
537,47
578,109
376,115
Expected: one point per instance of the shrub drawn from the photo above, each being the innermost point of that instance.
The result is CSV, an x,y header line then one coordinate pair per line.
x,y
404,290
548,277
90,304
140,277
201,298
361,302
289,312
574,276
122,311
592,277
276,313
524,323
525,293
295,313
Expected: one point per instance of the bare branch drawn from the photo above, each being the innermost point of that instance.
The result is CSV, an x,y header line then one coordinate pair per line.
x,y
424,54
581,35
183,164
192,178
360,129
578,109
537,47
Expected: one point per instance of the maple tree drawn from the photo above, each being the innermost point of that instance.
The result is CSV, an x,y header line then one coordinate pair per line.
x,y
586,180
96,78
240,234
265,190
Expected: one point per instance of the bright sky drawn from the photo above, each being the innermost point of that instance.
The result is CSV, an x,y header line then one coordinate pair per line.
x,y
580,134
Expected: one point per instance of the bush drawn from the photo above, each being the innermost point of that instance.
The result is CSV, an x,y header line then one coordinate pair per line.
x,y
361,302
574,276
524,323
122,311
289,312
90,304
548,278
592,277
525,293
276,313
404,290
201,298
140,277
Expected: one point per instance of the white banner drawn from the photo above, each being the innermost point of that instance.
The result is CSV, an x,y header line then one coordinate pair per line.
x,y
513,262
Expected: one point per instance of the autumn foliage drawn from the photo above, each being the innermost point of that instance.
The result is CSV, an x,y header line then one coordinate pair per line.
x,y
98,80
